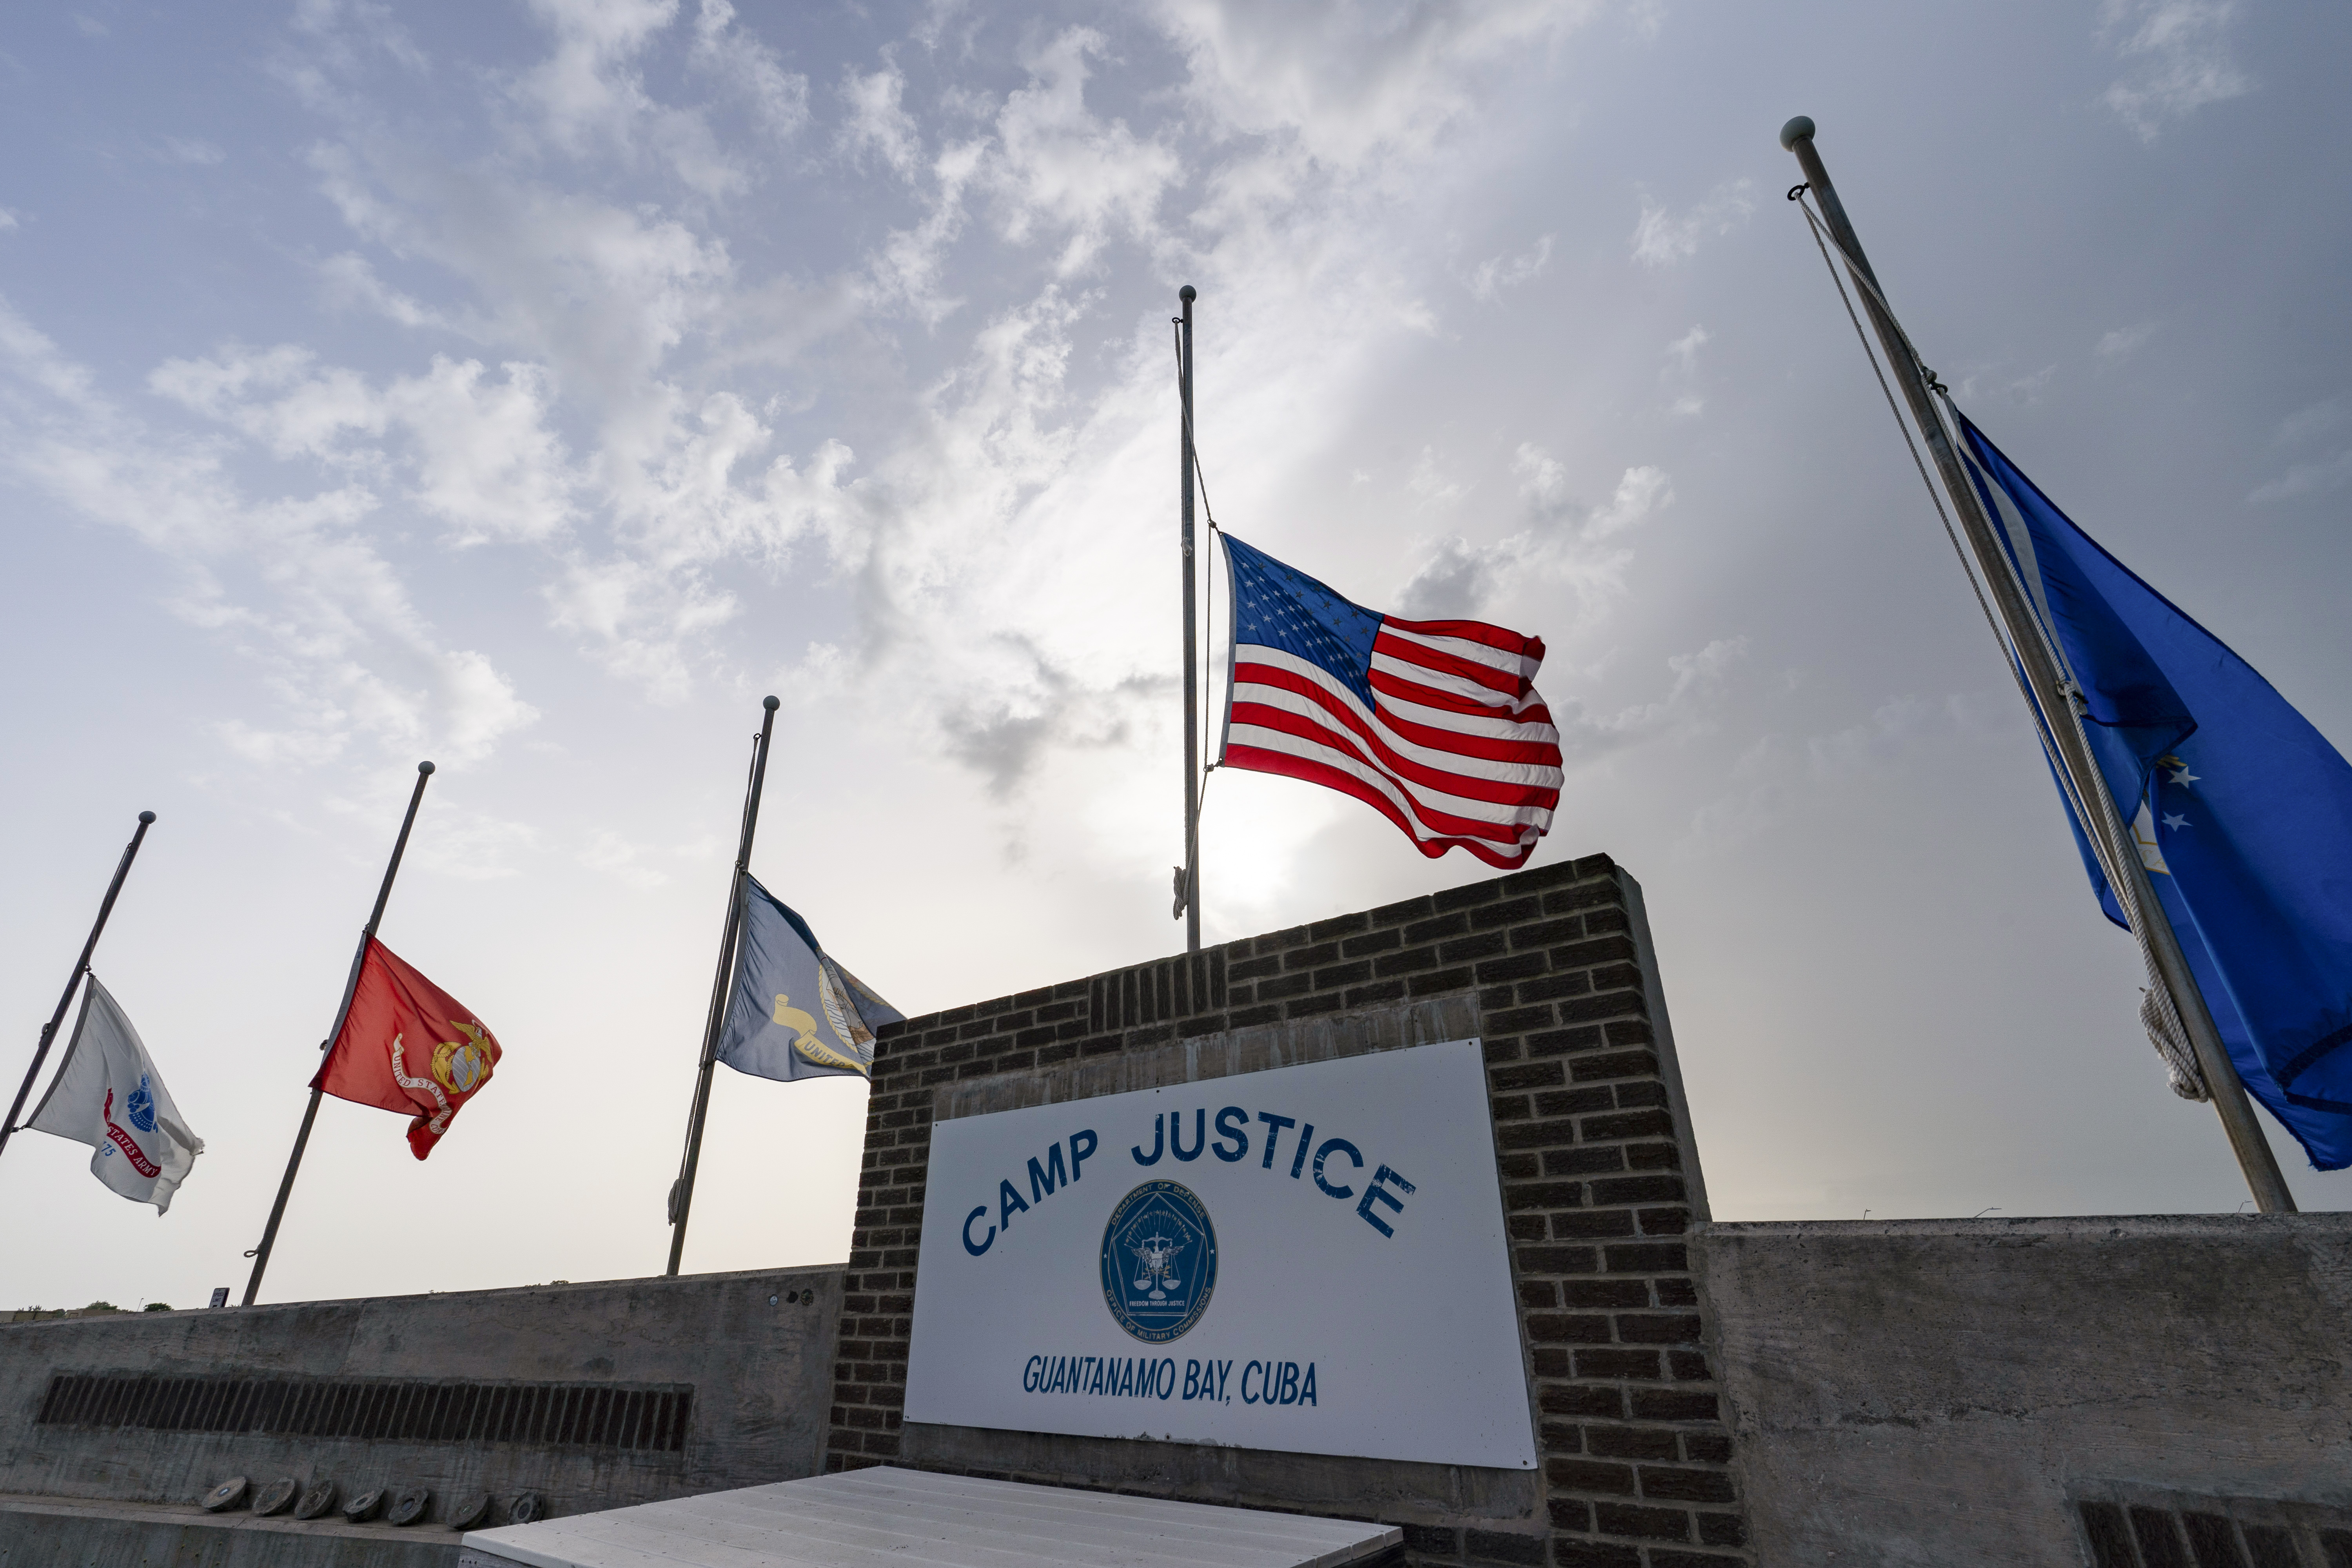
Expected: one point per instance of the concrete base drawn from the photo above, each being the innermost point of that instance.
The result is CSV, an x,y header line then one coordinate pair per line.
x,y
1928,1393
53,1533
753,1352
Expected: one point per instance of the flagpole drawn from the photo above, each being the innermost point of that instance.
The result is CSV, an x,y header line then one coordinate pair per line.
x,y
1189,887
2058,697
681,1191
261,1255
80,968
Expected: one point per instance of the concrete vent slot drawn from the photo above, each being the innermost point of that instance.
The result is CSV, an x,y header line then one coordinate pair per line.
x,y
2144,1527
575,1415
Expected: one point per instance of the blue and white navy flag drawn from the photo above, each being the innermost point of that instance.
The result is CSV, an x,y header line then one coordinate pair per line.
x,y
793,1011
2243,810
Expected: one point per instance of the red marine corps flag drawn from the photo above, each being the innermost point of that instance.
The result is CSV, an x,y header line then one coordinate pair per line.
x,y
407,1045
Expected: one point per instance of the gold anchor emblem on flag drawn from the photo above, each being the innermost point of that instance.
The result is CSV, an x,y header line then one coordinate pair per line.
x,y
807,1041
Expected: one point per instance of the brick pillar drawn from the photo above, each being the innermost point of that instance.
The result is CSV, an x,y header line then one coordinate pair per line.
x,y
1599,1179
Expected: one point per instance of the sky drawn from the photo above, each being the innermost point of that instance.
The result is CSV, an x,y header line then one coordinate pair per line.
x,y
534,386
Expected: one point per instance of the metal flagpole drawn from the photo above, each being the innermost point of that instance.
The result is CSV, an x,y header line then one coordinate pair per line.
x,y
2058,698
261,1255
681,1191
1188,876
80,968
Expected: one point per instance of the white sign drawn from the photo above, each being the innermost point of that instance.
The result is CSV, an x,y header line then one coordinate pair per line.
x,y
1309,1259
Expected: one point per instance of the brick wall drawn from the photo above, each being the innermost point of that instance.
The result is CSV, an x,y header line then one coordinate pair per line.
x,y
1599,1178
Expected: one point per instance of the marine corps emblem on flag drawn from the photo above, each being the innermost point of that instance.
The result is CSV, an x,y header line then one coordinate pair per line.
x,y
407,1044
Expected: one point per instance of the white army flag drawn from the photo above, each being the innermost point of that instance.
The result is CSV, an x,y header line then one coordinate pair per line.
x,y
109,1095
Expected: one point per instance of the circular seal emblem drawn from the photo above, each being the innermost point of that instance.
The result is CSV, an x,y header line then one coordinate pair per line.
x,y
1158,1261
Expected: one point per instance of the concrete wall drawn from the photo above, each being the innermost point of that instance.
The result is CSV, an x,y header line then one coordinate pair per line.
x,y
1552,969
2140,1393
50,1533
1934,1392
756,1350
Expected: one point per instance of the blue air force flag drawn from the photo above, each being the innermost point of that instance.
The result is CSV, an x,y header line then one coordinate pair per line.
x,y
793,1011
2243,810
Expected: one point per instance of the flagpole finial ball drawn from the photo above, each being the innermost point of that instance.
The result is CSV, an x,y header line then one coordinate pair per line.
x,y
425,768
1188,293
770,703
146,816
1796,130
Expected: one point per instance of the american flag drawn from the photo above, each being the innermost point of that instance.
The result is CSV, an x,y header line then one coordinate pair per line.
x,y
1435,723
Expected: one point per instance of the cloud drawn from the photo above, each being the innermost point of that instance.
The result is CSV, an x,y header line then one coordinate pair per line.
x,y
2125,341
2306,423
1898,741
1699,679
756,73
8,220
339,32
1347,82
1491,277
1429,484
2180,58
1661,238
1052,167
192,151
311,412
609,852
1006,733
1061,169
2316,476
488,461
294,583
28,353
585,90
2023,389
472,845
877,121
598,291
1563,542
649,602
1639,492
1874,748
600,399
1456,583
1681,366
641,619
481,453
589,94
351,281
2307,478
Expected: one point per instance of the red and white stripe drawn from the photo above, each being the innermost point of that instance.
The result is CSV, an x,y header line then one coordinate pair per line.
x,y
1458,748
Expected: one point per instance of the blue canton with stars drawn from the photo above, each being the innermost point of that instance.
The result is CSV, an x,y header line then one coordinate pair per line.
x,y
1279,607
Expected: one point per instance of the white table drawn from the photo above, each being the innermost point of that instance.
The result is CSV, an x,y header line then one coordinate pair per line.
x,y
867,1518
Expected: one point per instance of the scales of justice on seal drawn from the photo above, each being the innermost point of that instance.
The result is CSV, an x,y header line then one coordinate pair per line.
x,y
1155,1267
1158,1261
